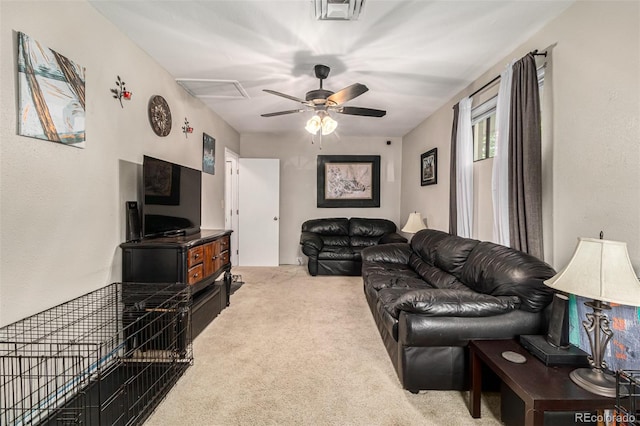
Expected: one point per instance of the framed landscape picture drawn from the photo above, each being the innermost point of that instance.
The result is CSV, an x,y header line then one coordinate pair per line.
x,y
348,181
429,167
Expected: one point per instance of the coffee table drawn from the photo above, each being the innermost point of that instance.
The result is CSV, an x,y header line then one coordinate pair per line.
x,y
541,388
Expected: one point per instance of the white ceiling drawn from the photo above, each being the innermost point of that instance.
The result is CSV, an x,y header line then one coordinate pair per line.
x,y
412,55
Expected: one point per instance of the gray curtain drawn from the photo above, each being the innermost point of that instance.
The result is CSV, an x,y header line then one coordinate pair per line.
x,y
525,162
453,193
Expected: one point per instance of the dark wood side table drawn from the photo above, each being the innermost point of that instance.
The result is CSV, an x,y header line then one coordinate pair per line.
x,y
541,388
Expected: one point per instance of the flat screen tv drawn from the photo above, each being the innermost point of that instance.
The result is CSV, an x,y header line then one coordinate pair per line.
x,y
171,200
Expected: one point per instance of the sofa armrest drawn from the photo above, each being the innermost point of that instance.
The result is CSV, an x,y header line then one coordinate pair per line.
x,y
387,253
423,330
392,237
311,243
447,303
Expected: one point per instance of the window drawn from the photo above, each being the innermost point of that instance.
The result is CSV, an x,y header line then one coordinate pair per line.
x,y
483,121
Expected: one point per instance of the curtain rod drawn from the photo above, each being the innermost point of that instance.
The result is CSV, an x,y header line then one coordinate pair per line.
x,y
496,78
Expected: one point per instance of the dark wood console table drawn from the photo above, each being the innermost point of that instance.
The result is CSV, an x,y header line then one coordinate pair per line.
x,y
193,260
540,388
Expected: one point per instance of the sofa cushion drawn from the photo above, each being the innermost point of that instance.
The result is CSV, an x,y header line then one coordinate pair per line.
x,y
362,242
394,281
365,227
390,269
447,252
438,302
435,276
453,253
336,253
425,243
389,253
357,251
329,226
502,271
335,240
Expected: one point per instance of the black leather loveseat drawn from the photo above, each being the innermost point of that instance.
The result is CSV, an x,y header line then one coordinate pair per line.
x,y
430,297
333,245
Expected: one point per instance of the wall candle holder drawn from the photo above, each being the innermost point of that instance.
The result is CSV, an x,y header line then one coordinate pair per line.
x,y
186,129
121,92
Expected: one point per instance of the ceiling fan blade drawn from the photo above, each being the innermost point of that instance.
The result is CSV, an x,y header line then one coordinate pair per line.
x,y
347,93
368,112
293,98
273,114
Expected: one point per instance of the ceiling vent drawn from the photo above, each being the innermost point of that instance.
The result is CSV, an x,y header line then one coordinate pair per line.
x,y
211,88
337,10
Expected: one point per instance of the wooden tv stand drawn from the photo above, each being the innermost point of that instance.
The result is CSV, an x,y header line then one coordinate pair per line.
x,y
193,260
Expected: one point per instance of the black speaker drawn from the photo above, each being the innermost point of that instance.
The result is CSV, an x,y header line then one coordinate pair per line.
x,y
558,333
133,221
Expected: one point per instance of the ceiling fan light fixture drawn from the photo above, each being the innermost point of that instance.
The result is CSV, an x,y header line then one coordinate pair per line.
x,y
328,125
321,122
338,10
313,125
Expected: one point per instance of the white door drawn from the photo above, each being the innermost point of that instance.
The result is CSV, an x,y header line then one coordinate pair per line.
x,y
231,201
259,217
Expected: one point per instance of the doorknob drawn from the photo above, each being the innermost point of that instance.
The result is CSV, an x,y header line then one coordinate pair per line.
x,y
275,218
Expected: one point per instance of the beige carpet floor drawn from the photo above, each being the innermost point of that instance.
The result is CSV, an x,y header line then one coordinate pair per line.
x,y
299,350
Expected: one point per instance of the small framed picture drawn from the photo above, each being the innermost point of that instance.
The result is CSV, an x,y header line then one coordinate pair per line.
x,y
208,154
429,167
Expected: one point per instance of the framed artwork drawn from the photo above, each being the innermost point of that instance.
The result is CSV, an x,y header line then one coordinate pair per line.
x,y
208,154
348,181
51,94
429,167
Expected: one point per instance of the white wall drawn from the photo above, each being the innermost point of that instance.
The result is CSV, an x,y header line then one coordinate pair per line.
x,y
591,172
431,200
62,208
298,179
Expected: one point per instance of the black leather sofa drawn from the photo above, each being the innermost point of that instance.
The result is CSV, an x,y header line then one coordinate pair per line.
x,y
431,297
333,245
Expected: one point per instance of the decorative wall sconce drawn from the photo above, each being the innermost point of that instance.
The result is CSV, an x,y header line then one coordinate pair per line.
x,y
121,92
186,129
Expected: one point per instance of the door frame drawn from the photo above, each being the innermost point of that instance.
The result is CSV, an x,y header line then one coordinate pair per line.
x,y
231,197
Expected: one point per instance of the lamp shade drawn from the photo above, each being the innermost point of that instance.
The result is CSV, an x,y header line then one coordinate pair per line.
x,y
599,270
414,223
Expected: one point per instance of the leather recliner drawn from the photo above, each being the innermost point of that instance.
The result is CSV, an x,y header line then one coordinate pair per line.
x,y
333,245
431,297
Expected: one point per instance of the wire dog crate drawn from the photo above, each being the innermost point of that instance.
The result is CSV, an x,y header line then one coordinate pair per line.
x,y
628,397
105,358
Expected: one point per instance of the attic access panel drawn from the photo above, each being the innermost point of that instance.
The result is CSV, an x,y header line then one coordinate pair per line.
x,y
338,10
213,88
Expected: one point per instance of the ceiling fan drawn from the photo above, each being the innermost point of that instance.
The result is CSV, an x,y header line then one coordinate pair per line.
x,y
323,101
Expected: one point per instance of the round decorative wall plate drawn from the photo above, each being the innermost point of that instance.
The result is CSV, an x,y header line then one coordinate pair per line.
x,y
159,115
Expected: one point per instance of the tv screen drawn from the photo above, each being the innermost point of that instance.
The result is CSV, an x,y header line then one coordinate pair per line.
x,y
172,198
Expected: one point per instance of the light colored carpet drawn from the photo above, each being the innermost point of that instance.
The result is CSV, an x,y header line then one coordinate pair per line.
x,y
299,350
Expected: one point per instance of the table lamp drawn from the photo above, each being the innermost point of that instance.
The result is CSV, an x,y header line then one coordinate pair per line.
x,y
599,270
414,223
